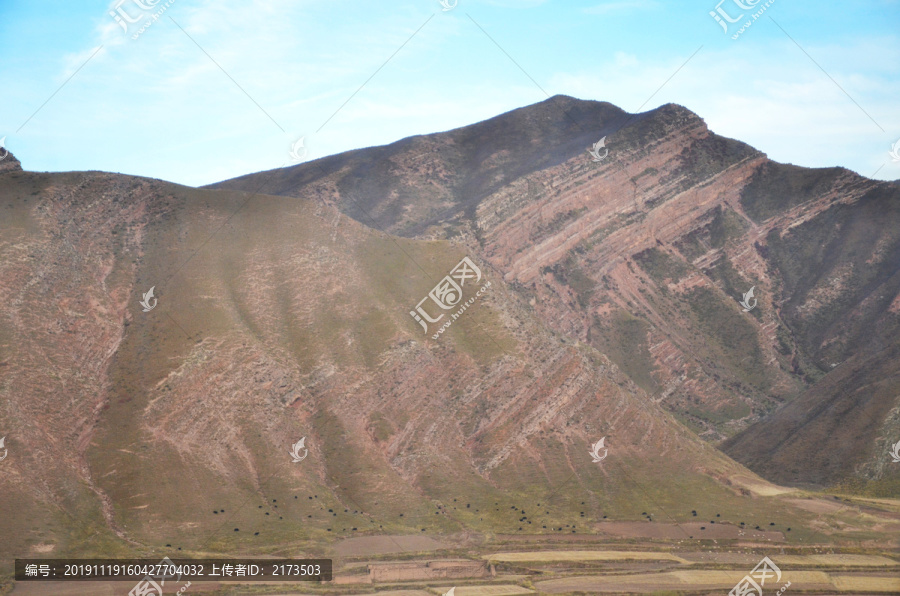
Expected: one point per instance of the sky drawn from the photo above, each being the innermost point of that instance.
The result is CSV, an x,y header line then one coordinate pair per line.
x,y
214,89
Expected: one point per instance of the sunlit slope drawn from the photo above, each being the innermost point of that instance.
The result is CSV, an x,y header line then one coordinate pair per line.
x,y
646,254
278,318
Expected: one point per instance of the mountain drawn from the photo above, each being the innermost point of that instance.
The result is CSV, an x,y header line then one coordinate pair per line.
x,y
281,310
146,424
646,254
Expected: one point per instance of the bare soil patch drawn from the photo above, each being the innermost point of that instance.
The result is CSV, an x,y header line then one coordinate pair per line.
x,y
383,545
817,505
491,590
839,560
81,588
584,555
380,593
675,580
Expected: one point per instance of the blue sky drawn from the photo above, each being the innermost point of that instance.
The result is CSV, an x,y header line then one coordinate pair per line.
x,y
217,89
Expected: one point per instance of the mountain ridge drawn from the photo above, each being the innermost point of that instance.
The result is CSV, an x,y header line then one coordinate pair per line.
x,y
612,313
604,249
189,409
571,125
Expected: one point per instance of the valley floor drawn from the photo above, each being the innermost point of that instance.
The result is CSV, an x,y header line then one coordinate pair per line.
x,y
559,564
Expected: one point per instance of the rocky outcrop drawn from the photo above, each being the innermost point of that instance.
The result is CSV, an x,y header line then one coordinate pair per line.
x,y
8,162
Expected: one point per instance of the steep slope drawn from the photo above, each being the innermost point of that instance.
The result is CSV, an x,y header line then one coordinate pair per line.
x,y
439,179
646,254
839,432
136,429
840,275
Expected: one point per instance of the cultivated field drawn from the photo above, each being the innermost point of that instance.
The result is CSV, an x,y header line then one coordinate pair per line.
x,y
856,553
583,555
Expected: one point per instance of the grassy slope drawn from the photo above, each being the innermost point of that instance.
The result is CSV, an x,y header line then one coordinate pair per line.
x,y
283,322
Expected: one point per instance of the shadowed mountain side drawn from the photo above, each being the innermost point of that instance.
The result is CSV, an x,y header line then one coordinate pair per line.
x,y
279,318
439,179
840,273
839,270
825,437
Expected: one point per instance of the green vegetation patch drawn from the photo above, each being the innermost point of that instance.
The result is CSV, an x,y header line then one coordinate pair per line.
x,y
691,246
732,282
646,172
561,220
726,225
730,336
570,273
661,266
400,272
623,338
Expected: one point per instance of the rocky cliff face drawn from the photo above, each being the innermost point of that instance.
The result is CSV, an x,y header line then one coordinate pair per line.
x,y
646,254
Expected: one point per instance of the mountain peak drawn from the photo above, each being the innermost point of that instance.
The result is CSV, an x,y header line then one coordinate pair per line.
x,y
463,166
566,102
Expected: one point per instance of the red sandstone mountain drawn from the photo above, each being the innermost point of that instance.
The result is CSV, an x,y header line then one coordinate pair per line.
x,y
646,255
612,313
278,318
